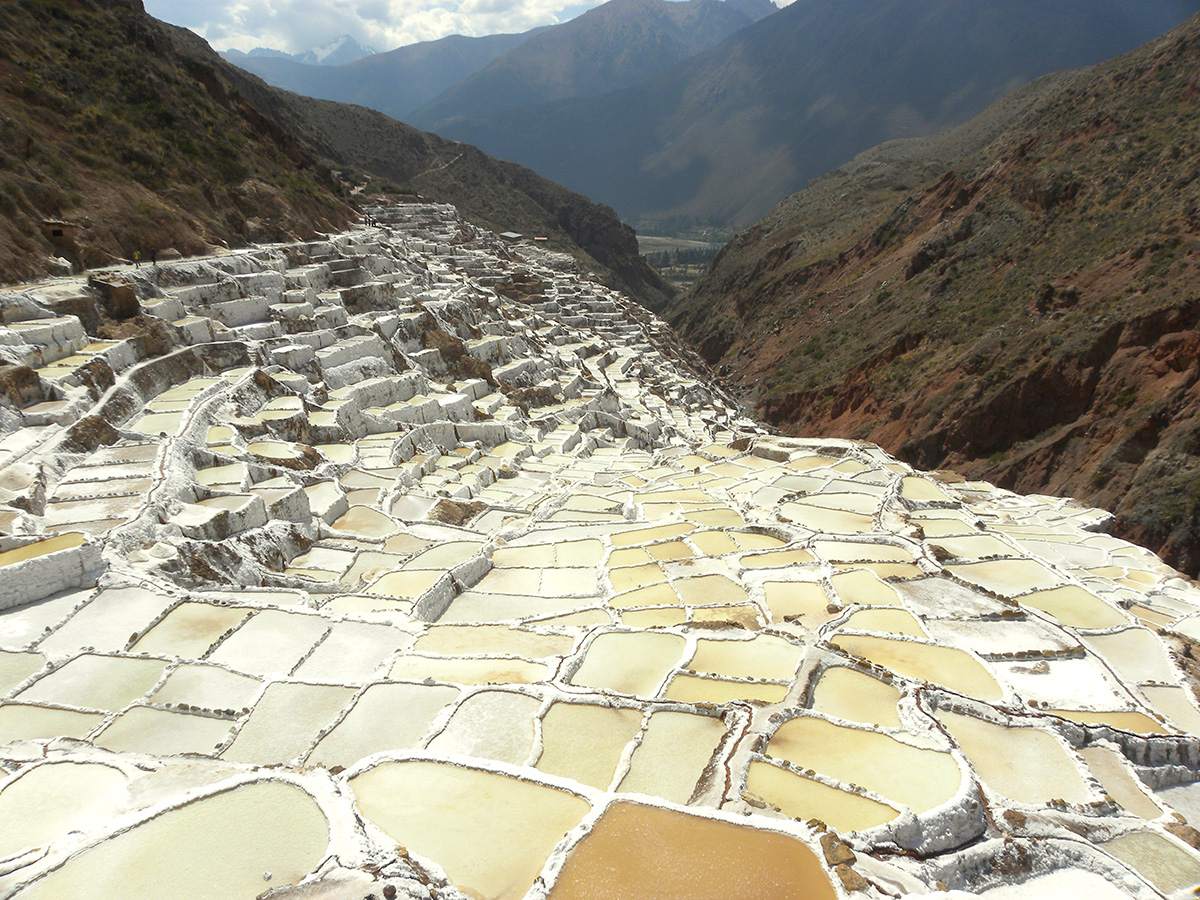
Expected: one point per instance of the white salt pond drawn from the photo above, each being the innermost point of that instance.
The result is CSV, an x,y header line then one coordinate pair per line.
x,y
215,848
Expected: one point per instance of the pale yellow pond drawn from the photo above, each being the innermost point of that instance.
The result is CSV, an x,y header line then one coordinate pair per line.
x,y
806,798
946,666
216,848
1024,764
920,778
584,741
491,833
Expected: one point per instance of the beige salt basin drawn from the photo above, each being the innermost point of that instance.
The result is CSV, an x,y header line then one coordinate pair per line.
x,y
269,449
1158,859
1076,607
42,548
158,732
883,619
946,666
682,856
1125,720
1007,577
1024,764
1174,703
805,798
864,588
853,695
372,725
366,522
490,833
156,423
190,629
500,640
764,656
231,474
189,389
567,554
280,408
698,689
338,453
96,682
16,667
495,725
918,777
629,662
459,670
286,722
47,802
820,519
584,741
208,687
673,753
1136,653
1114,775
803,600
216,848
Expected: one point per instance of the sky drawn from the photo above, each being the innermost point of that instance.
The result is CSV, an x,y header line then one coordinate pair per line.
x,y
297,25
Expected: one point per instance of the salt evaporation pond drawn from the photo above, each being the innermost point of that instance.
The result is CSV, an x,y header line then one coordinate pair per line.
x,y
449,586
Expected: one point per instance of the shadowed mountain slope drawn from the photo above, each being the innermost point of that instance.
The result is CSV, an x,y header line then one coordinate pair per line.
x,y
397,82
613,46
721,136
1028,315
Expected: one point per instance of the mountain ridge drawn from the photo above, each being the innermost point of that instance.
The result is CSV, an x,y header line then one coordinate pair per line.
x,y
396,82
721,136
610,47
337,52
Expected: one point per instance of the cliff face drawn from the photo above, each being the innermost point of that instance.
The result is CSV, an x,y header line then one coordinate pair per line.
x,y
1028,316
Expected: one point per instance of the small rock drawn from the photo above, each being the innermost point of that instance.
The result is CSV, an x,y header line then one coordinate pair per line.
x,y
851,880
1014,819
1185,833
837,852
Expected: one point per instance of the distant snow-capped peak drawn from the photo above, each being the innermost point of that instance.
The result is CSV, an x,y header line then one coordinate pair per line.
x,y
335,53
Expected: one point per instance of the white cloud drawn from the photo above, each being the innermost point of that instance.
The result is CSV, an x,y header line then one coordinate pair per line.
x,y
297,25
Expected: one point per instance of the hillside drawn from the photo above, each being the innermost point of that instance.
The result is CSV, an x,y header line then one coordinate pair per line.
x,y
396,83
720,137
612,46
103,128
139,133
1027,316
499,195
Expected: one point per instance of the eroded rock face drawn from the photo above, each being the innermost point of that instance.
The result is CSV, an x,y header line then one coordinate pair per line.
x,y
383,548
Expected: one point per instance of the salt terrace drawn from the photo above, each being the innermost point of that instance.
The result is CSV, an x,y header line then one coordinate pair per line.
x,y
410,563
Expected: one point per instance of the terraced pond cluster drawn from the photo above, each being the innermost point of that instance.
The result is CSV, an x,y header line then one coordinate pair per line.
x,y
413,563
